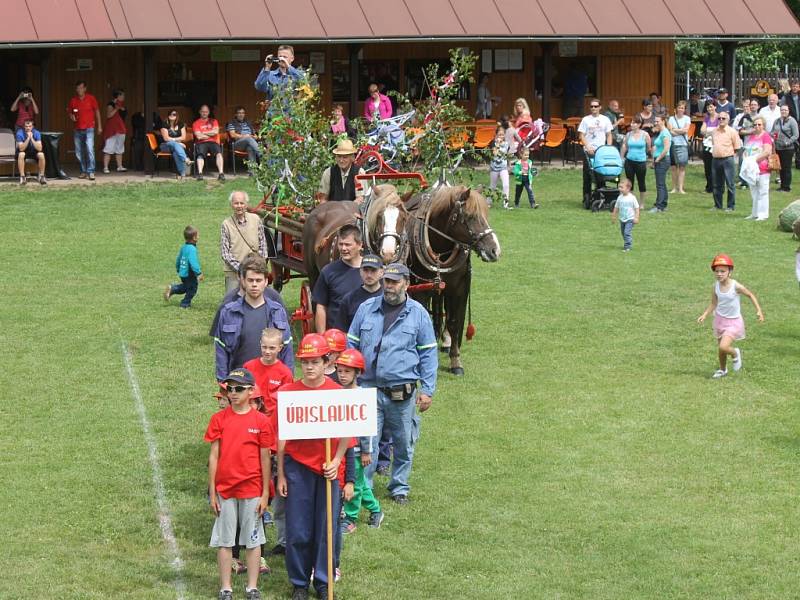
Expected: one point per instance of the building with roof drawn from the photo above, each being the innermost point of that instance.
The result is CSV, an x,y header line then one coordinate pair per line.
x,y
183,53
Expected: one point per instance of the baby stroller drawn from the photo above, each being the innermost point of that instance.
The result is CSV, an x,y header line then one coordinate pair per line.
x,y
606,166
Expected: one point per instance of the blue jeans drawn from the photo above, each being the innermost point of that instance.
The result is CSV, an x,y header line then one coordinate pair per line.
x,y
403,423
187,287
249,145
722,170
626,228
661,169
178,155
84,149
525,184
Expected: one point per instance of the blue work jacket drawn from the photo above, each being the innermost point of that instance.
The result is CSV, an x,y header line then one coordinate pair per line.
x,y
229,329
406,353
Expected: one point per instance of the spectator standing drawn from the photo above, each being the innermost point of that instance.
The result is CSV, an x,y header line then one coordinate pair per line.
x,y
241,234
187,265
648,116
115,131
25,107
659,109
206,136
29,145
785,133
338,278
636,147
576,86
792,100
173,136
661,163
771,112
277,72
84,111
696,105
614,115
241,322
743,124
594,131
725,105
486,102
243,135
678,125
758,146
395,335
710,123
371,272
725,143
377,106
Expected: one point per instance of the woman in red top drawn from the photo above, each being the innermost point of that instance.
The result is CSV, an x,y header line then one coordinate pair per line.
x,y
522,112
114,132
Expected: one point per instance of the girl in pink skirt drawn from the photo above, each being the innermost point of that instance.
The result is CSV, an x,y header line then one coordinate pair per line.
x,y
728,322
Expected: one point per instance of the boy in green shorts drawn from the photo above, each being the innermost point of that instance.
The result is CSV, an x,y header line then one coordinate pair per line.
x,y
349,365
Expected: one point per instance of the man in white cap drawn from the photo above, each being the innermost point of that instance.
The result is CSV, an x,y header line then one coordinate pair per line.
x,y
338,181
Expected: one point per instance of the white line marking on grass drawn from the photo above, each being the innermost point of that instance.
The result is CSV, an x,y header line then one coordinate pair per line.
x,y
164,516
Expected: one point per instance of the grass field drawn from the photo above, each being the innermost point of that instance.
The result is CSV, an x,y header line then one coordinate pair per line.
x,y
585,454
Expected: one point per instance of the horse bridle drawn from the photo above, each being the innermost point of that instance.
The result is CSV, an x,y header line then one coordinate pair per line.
x,y
401,239
475,237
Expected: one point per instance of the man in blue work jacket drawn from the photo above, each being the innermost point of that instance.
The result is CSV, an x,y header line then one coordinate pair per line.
x,y
395,335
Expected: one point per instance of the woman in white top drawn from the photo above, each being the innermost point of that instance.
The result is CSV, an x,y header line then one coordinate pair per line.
x,y
678,125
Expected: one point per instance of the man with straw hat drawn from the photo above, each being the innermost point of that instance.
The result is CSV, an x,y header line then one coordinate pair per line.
x,y
339,180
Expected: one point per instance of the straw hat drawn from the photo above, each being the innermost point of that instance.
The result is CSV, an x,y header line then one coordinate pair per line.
x,y
344,147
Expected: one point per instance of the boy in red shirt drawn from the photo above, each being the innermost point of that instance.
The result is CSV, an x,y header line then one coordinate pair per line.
x,y
238,480
269,372
302,472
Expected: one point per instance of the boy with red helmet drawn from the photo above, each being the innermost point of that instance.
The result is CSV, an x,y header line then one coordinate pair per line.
x,y
728,323
349,366
302,472
337,341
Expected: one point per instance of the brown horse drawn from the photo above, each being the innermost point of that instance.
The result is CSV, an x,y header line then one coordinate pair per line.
x,y
382,226
448,223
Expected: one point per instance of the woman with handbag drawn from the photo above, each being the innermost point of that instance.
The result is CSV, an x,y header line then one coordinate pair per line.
x,y
786,134
758,146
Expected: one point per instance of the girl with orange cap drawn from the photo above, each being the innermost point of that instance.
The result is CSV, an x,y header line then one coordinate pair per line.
x,y
728,323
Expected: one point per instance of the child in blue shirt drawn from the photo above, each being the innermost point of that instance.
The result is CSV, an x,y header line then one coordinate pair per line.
x,y
626,208
187,264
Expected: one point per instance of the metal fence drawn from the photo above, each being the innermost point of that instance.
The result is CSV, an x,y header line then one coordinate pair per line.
x,y
707,83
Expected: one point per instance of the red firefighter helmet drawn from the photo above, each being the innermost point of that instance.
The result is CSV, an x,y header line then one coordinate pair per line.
x,y
351,358
313,345
337,340
722,260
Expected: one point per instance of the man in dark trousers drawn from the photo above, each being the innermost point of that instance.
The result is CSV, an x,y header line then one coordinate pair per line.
x,y
792,100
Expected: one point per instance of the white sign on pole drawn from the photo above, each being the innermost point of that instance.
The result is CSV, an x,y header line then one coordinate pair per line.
x,y
315,414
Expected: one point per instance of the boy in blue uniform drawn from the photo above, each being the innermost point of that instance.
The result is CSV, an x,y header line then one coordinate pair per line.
x,y
187,264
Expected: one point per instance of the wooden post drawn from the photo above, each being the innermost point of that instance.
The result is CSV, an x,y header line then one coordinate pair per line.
x,y
329,522
353,50
150,101
547,78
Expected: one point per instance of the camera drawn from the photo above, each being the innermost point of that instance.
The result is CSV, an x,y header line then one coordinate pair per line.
x,y
274,60
26,95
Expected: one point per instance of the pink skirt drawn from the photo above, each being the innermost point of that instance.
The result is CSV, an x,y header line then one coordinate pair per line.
x,y
732,327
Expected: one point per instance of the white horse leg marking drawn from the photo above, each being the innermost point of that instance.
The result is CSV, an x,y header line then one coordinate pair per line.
x,y
389,245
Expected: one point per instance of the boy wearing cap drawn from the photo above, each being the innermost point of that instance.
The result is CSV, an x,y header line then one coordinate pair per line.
x,y
371,273
302,472
238,480
350,365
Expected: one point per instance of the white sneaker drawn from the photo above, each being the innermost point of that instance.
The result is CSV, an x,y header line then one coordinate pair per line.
x,y
737,360
106,171
749,217
121,169
719,373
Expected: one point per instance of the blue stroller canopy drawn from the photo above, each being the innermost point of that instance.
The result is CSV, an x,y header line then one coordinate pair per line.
x,y
607,161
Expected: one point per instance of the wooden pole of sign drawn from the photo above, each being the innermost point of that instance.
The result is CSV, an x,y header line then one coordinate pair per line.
x,y
329,520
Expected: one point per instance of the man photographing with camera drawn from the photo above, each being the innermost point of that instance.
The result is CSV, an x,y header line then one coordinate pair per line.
x,y
25,107
277,72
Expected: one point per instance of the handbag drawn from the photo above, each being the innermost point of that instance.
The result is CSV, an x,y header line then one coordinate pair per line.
x,y
774,162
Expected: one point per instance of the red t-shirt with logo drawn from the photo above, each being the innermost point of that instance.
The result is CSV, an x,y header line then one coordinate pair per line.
x,y
86,108
241,437
204,126
311,453
24,113
268,379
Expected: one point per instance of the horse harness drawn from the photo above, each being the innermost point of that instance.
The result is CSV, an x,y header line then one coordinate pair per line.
x,y
403,246
420,239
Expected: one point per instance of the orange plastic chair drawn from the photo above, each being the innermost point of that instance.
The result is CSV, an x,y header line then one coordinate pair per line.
x,y
153,143
555,138
457,140
556,122
484,136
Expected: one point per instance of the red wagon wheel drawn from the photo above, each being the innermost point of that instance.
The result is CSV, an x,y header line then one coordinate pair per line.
x,y
303,313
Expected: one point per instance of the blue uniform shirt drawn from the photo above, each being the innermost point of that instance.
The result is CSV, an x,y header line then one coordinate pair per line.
x,y
406,353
